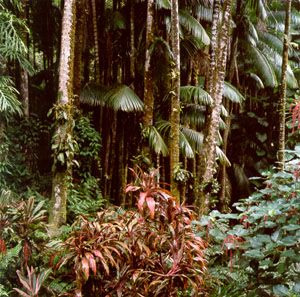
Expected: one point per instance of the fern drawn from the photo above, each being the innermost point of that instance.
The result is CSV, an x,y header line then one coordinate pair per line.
x,y
8,259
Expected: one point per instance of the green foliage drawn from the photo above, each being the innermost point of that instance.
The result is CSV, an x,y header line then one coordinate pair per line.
x,y
21,226
32,283
263,244
18,150
152,251
84,193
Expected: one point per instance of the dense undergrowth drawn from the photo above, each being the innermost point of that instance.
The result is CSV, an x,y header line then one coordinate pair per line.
x,y
158,248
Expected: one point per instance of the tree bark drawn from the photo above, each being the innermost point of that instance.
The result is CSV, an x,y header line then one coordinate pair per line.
x,y
216,85
175,99
282,101
95,31
147,119
58,212
132,46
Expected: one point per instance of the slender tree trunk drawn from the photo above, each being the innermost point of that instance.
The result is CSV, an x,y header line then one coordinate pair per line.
x,y
132,46
148,78
175,100
81,17
58,208
208,153
95,31
282,101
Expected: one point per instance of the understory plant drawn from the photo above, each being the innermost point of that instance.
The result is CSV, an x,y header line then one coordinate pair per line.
x,y
151,251
22,235
258,248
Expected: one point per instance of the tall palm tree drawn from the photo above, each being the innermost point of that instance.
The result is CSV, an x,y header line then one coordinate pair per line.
x,y
58,208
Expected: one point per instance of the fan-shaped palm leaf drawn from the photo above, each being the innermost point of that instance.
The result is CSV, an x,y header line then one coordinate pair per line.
x,y
9,103
193,26
120,97
263,66
230,92
196,94
93,94
156,141
123,98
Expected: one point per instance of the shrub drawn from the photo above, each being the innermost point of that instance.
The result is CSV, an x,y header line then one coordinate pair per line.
x,y
262,248
152,251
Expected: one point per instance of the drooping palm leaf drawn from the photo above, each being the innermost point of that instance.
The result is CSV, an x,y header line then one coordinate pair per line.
x,y
263,66
204,13
194,138
276,19
162,44
276,61
190,46
120,97
230,92
257,79
224,111
190,93
273,40
93,94
156,142
123,98
193,26
222,157
193,114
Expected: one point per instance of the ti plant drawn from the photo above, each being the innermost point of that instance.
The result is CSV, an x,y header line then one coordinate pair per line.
x,y
32,283
148,252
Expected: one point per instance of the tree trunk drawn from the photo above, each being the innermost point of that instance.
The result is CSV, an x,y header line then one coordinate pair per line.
x,y
148,78
81,18
95,31
58,211
208,153
175,99
132,46
282,101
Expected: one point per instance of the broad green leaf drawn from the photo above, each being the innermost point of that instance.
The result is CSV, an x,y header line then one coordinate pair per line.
x,y
256,254
281,290
291,227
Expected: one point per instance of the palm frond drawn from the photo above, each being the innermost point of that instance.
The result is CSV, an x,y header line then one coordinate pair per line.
x,y
224,111
194,138
190,46
163,44
123,98
163,4
185,147
257,79
232,93
222,124
273,40
193,26
193,114
164,128
93,94
263,66
276,19
9,103
190,93
222,157
276,60
156,142
204,13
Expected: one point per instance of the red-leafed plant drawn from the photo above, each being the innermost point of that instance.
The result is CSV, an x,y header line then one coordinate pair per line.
x,y
149,252
32,283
